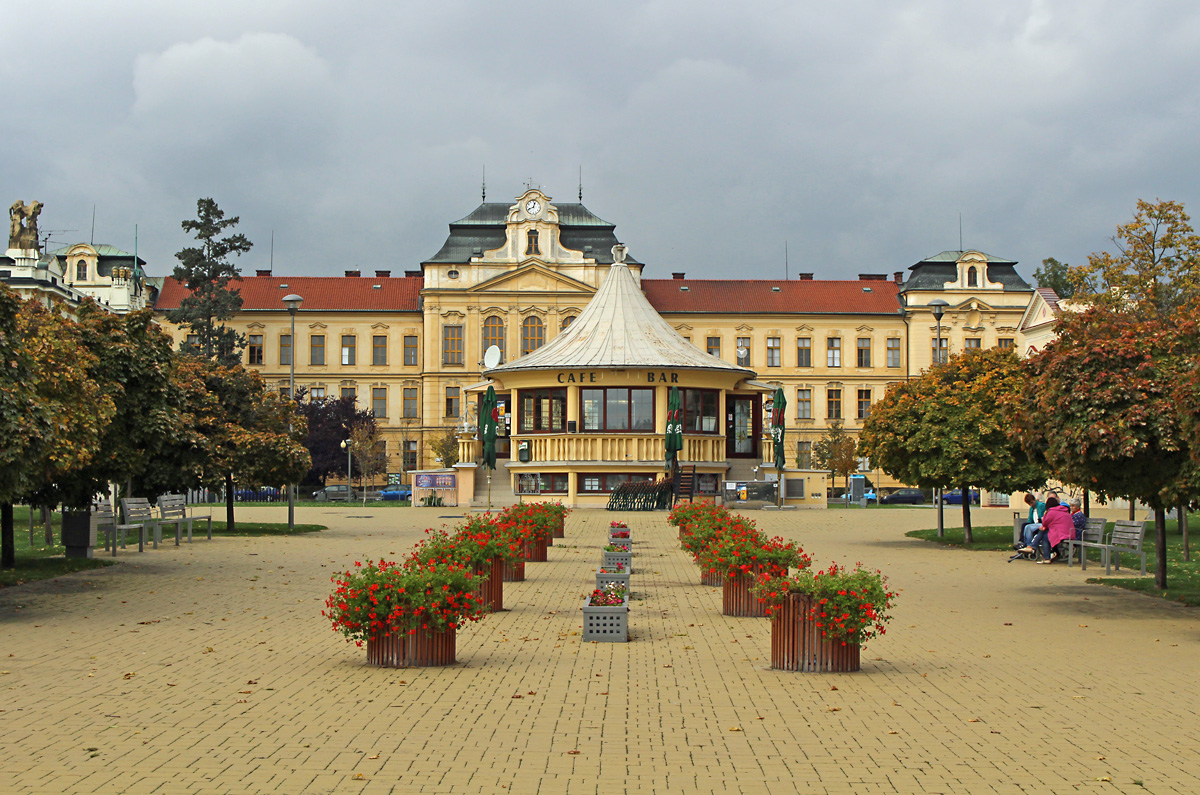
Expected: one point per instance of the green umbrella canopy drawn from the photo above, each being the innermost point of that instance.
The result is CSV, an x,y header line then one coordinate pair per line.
x,y
778,406
673,439
488,422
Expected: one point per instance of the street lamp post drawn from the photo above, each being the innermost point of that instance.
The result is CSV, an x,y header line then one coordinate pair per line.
x,y
292,302
349,480
938,307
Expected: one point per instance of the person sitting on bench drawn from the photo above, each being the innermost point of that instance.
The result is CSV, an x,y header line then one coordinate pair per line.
x,y
1057,527
1037,510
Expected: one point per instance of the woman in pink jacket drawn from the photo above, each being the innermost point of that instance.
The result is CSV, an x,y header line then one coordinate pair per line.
x,y
1056,528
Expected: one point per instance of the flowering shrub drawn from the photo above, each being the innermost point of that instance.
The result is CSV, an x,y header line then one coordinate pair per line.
x,y
386,598
698,527
618,568
850,605
615,548
481,539
618,534
618,524
739,548
612,595
684,512
531,523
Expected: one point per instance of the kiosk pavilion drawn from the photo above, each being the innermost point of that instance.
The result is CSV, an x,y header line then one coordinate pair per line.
x,y
518,276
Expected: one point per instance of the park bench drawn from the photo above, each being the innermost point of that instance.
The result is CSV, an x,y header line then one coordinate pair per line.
x,y
1126,537
172,508
1093,538
105,523
139,515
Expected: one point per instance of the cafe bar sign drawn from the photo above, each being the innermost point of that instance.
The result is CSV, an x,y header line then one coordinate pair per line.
x,y
597,376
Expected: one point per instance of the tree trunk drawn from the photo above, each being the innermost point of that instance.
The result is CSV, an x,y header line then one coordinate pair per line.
x,y
8,543
1087,503
49,529
1131,508
1160,554
1183,529
229,494
968,538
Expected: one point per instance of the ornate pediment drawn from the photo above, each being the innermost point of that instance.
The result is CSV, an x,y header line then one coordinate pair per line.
x,y
532,277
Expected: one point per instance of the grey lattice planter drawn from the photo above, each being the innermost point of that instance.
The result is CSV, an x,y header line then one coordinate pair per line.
x,y
627,543
613,559
606,624
607,578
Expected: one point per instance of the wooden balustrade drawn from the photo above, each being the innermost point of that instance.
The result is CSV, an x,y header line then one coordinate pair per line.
x,y
579,447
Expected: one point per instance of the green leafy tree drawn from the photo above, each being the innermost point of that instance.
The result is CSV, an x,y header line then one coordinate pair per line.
x,y
1102,408
950,427
206,271
1057,276
836,451
371,460
52,413
445,446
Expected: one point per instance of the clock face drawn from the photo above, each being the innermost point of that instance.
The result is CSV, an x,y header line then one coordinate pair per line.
x,y
533,206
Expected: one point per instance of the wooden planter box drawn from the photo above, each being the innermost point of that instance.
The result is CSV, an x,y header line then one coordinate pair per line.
x,y
606,624
710,578
491,590
797,645
560,529
515,571
738,600
604,578
420,650
613,558
535,550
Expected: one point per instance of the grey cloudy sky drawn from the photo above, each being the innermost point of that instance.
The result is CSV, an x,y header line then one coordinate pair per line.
x,y
709,132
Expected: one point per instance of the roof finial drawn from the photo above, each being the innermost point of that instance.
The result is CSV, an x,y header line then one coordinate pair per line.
x,y
581,183
618,252
483,185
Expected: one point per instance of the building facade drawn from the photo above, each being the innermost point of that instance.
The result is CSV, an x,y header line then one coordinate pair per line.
x,y
515,276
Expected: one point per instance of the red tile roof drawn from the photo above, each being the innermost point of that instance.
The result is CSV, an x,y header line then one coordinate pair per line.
x,y
755,296
320,293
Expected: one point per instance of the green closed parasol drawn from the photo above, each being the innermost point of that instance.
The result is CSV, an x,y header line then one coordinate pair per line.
x,y
673,440
778,404
489,420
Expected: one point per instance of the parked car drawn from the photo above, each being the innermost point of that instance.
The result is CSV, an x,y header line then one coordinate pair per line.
x,y
869,495
954,497
397,492
260,494
904,497
334,493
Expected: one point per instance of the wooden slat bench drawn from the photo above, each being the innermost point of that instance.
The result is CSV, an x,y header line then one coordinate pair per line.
x,y
172,508
105,523
139,515
1093,538
1126,537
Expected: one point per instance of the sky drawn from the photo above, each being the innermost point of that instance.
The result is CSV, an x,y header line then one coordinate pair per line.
x,y
715,135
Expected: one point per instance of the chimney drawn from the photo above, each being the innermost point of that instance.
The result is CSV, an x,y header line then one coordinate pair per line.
x,y
383,274
898,277
414,274
354,273
678,274
804,277
872,277
263,272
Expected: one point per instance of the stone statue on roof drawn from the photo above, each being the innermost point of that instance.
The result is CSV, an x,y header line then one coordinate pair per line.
x,y
23,231
618,252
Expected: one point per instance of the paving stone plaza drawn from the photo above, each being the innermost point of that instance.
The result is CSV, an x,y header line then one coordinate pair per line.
x,y
209,669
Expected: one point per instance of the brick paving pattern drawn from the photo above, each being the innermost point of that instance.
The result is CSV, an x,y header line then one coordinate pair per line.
x,y
209,669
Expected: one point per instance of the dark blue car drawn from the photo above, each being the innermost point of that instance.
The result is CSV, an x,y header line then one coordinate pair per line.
x,y
954,497
396,492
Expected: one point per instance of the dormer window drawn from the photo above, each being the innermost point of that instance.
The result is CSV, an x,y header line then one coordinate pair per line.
x,y
81,271
972,277
531,242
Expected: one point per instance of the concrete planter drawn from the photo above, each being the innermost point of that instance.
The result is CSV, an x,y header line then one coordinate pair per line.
x,y
625,543
606,578
612,559
606,624
423,649
78,534
797,645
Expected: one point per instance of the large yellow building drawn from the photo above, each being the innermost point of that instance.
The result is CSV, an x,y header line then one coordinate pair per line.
x,y
411,347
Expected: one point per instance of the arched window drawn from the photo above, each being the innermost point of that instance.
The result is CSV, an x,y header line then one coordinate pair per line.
x,y
493,334
81,271
567,321
533,334
972,277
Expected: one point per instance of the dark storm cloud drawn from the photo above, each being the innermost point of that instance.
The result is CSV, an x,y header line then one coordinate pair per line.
x,y
710,133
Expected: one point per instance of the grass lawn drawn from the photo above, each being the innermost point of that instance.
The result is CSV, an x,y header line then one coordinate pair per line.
x,y
42,562
1183,577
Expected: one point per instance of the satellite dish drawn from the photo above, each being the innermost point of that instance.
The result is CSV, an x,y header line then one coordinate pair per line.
x,y
491,357
741,352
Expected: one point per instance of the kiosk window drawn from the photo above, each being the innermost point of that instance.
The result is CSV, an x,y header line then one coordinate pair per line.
x,y
543,410
700,410
618,409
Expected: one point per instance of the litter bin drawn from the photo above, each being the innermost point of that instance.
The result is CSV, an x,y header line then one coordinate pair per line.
x,y
523,451
1019,522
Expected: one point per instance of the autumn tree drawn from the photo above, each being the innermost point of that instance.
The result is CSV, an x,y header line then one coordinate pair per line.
x,y
52,414
836,451
371,460
445,446
949,428
206,271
